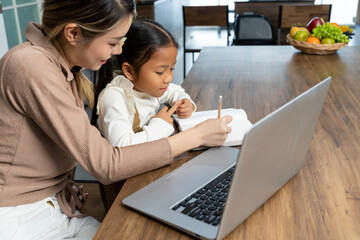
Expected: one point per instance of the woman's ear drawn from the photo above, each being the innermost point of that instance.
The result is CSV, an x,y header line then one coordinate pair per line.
x,y
128,71
72,33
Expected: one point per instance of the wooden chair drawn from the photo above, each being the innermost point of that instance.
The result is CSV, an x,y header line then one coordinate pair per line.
x,y
269,9
199,16
291,14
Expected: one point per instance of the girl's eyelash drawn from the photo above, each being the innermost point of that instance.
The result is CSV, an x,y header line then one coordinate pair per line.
x,y
171,69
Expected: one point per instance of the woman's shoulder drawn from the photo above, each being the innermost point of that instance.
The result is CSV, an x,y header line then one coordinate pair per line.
x,y
28,60
26,51
26,68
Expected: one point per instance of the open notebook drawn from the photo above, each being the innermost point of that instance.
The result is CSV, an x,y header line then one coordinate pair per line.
x,y
240,123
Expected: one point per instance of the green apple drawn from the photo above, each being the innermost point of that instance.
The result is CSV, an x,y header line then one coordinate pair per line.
x,y
327,41
301,35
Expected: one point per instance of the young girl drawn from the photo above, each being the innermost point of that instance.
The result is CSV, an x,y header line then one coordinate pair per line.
x,y
128,107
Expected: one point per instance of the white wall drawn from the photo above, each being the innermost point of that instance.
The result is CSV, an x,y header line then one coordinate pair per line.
x,y
343,12
3,40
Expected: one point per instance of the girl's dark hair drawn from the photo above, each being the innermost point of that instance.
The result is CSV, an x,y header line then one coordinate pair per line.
x,y
143,39
105,77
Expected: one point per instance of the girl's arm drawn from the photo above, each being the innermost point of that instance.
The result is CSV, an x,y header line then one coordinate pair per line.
x,y
116,122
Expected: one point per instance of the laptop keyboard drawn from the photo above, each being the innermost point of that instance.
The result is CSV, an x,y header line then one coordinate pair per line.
x,y
207,203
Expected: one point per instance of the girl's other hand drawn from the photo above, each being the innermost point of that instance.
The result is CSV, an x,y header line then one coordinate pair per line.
x,y
166,112
185,108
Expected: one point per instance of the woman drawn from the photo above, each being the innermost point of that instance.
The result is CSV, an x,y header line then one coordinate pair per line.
x,y
45,132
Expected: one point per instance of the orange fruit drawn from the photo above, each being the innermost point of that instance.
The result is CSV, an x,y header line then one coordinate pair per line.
x,y
335,24
345,28
293,30
313,40
296,28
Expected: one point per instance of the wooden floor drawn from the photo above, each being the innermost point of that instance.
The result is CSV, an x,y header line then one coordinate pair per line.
x,y
94,206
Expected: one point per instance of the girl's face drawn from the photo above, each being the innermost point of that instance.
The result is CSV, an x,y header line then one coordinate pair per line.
x,y
95,52
156,74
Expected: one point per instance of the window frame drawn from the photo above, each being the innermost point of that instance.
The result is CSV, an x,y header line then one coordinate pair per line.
x,y
15,7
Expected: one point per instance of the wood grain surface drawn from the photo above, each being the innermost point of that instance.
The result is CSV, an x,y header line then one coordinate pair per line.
x,y
323,200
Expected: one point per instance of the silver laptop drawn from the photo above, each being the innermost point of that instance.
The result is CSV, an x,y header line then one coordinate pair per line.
x,y
210,195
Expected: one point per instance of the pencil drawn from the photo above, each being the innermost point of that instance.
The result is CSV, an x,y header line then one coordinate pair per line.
x,y
219,106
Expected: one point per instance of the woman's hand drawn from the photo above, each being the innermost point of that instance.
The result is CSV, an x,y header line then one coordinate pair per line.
x,y
213,132
185,108
166,112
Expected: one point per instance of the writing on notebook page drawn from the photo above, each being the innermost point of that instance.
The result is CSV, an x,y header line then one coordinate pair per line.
x,y
240,123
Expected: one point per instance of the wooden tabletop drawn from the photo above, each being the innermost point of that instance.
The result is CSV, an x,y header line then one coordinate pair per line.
x,y
323,200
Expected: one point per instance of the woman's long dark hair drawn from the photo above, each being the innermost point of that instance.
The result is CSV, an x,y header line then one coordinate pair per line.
x,y
143,39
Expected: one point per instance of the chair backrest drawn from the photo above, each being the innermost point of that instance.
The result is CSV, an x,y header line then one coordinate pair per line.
x,y
253,29
205,16
291,14
269,9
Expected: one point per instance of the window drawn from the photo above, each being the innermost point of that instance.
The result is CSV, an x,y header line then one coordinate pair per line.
x,y
17,14
342,11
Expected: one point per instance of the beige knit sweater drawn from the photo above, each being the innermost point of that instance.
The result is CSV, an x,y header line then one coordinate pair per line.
x,y
45,132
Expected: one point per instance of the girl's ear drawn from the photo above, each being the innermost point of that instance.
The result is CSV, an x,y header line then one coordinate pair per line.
x,y
128,71
72,33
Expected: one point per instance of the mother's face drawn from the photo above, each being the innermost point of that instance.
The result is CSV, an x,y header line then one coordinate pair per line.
x,y
93,53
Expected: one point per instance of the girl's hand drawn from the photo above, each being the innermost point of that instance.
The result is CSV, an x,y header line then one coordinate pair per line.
x,y
166,112
185,108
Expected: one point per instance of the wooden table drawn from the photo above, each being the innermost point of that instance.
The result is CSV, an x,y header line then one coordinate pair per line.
x,y
323,200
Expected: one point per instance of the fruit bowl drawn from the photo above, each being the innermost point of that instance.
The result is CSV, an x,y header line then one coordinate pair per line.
x,y
319,49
